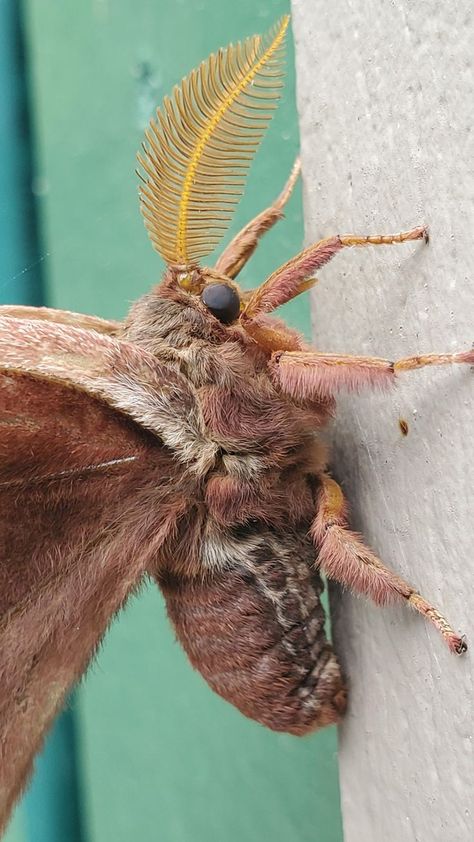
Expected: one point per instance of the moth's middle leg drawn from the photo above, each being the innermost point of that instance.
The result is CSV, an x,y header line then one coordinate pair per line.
x,y
309,375
343,557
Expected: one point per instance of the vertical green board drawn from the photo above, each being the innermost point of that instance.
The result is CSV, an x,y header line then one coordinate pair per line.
x,y
162,758
20,275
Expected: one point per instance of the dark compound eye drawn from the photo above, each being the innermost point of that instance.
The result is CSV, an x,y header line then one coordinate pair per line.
x,y
223,302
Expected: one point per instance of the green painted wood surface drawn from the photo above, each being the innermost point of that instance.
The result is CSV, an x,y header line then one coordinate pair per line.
x,y
20,265
162,758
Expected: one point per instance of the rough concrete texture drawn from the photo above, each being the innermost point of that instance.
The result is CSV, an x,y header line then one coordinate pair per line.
x,y
386,102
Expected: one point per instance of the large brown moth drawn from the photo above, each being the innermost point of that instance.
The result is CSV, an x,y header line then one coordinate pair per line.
x,y
185,446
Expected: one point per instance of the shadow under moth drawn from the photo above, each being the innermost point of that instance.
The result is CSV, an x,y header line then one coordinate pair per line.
x,y
185,446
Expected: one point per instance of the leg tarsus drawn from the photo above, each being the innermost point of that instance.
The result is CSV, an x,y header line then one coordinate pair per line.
x,y
410,363
420,233
456,642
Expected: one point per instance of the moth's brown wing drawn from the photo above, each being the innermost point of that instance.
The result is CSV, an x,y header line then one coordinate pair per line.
x,y
64,317
255,628
85,504
116,371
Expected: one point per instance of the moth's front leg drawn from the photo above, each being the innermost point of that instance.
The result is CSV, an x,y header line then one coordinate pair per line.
x,y
243,245
343,557
308,375
297,274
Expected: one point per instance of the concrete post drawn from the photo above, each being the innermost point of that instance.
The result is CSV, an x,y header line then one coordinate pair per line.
x,y
386,103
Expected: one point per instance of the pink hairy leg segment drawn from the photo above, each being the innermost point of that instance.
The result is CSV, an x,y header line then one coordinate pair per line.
x,y
309,375
240,249
292,278
344,558
306,375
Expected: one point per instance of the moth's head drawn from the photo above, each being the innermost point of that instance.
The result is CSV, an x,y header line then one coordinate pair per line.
x,y
215,295
194,163
203,303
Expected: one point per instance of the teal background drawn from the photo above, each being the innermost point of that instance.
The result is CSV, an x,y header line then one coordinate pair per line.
x,y
155,755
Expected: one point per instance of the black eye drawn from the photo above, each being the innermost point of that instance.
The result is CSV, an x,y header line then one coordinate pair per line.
x,y
222,301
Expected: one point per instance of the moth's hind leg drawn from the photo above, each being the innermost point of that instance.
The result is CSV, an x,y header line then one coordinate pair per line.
x,y
343,557
241,248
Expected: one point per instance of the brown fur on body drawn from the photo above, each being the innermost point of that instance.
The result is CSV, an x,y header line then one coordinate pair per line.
x,y
246,603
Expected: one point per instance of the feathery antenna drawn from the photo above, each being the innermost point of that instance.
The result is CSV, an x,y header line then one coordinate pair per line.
x,y
202,142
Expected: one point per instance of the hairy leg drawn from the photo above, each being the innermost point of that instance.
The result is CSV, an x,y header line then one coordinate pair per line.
x,y
296,274
343,557
309,375
241,248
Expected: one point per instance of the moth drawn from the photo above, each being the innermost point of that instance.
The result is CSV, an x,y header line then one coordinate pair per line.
x,y
183,445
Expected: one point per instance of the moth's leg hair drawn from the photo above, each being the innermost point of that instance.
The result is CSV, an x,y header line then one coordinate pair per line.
x,y
306,374
288,280
240,249
343,557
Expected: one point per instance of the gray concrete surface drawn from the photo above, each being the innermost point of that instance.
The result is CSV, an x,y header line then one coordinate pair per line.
x,y
386,103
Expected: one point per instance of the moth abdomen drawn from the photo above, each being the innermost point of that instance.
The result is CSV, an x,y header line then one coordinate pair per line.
x,y
255,631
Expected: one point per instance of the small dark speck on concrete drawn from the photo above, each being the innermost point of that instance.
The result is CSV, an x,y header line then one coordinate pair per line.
x,y
403,426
